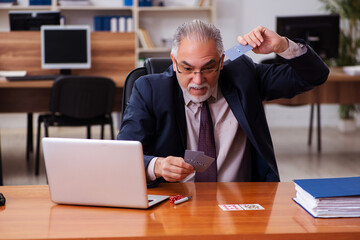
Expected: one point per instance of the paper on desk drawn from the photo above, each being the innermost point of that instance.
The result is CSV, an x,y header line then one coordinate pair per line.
x,y
4,73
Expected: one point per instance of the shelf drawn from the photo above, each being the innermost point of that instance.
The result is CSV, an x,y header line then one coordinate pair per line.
x,y
166,9
87,8
67,8
27,8
154,50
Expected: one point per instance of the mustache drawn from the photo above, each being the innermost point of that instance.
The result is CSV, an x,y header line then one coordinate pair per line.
x,y
194,85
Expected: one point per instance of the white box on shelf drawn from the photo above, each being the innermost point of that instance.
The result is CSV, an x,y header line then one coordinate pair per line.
x,y
178,3
107,3
74,2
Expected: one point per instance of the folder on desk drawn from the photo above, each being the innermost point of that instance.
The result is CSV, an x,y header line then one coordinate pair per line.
x,y
329,197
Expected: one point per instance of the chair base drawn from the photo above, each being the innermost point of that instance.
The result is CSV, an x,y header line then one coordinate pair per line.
x,y
318,126
29,136
1,175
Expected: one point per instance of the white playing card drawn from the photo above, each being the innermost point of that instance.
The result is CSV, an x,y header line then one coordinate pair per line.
x,y
239,207
230,207
252,206
236,51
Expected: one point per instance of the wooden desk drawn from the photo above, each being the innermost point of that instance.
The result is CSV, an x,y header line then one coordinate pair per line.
x,y
340,88
112,55
29,214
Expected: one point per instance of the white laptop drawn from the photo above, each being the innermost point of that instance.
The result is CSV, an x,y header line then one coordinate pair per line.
x,y
97,173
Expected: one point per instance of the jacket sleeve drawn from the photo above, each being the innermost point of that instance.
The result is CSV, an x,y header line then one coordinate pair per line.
x,y
138,123
295,76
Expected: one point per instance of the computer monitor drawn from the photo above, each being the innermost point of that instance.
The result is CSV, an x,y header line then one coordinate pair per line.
x,y
65,47
321,32
32,20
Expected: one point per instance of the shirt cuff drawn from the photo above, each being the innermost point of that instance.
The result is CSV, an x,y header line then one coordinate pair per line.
x,y
294,50
150,173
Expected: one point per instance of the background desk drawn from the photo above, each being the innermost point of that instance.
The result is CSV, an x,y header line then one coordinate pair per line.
x,y
29,214
34,96
112,55
340,88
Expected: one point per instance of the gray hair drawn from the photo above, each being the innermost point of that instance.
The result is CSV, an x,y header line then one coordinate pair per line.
x,y
199,31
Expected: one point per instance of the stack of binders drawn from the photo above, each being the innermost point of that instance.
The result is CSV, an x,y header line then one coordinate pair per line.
x,y
329,197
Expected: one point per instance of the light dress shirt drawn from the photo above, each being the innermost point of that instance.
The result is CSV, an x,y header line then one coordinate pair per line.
x,y
232,147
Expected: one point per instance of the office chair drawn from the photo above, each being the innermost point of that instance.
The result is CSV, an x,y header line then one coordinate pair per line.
x,y
278,60
78,101
151,66
29,136
1,175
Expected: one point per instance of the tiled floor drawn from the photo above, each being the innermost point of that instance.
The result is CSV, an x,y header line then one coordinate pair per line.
x,y
340,154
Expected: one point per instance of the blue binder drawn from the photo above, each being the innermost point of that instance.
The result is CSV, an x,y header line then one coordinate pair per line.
x,y
331,187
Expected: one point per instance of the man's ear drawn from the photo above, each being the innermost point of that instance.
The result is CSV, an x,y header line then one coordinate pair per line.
x,y
222,61
173,60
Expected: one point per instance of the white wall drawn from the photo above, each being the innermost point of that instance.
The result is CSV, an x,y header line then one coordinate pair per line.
x,y
237,17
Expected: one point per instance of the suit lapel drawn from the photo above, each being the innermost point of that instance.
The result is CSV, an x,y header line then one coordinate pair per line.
x,y
179,109
232,97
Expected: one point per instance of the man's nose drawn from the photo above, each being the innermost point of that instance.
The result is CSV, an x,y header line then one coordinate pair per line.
x,y
197,78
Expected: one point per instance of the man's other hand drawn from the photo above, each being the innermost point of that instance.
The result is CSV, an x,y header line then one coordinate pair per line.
x,y
172,169
264,41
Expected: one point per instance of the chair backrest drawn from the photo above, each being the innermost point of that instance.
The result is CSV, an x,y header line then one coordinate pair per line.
x,y
152,65
82,97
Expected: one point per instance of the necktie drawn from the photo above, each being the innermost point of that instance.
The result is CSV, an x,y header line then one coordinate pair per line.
x,y
206,144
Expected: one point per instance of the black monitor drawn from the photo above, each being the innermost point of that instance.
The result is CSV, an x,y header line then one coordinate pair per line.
x,y
32,20
65,47
321,32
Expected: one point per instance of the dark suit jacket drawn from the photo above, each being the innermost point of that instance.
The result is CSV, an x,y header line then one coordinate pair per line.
x,y
155,114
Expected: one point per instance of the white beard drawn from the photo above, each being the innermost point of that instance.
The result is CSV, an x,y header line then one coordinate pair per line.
x,y
199,99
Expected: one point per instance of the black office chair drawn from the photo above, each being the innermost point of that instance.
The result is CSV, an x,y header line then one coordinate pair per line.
x,y
1,175
78,101
29,136
278,60
151,66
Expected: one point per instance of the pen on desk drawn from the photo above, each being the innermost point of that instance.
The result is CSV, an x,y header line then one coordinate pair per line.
x,y
182,200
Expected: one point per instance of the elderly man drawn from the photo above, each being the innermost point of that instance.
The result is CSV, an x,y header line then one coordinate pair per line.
x,y
203,103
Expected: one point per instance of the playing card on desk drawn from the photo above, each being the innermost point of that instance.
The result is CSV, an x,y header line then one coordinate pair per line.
x,y
236,51
198,160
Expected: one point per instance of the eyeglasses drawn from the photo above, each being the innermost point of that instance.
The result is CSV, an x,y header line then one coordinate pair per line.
x,y
187,70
